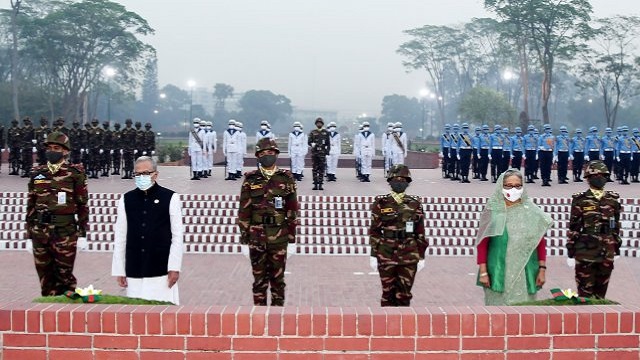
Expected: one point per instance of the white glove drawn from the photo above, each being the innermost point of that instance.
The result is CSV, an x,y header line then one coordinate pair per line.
x,y
135,151
617,158
121,152
555,159
586,157
373,263
245,250
510,156
2,150
489,156
570,157
601,157
571,262
34,150
524,157
458,156
82,243
144,153
101,151
421,264
313,144
29,246
81,151
34,141
153,152
440,154
291,249
536,156
479,156
111,152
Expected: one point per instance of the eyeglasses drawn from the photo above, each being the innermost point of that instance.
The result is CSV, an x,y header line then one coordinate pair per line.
x,y
509,186
143,173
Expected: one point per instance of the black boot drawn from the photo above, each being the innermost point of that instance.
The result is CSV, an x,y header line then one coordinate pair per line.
x,y
315,186
545,183
231,177
195,176
320,186
634,179
465,179
209,172
366,178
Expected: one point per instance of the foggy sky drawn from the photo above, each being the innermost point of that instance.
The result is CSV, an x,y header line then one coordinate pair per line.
x,y
322,54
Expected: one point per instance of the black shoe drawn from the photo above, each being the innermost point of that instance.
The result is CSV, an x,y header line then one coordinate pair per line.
x,y
208,172
545,183
320,186
624,182
366,178
195,176
230,177
465,180
484,178
535,177
562,181
315,186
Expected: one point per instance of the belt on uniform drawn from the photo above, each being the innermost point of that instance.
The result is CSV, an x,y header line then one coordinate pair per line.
x,y
546,150
516,150
497,147
625,152
269,220
563,150
594,149
575,151
608,150
484,147
395,234
48,218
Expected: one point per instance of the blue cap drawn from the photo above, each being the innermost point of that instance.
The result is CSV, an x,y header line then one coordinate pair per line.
x,y
547,126
447,126
635,130
465,125
518,129
477,128
485,127
505,130
531,127
578,131
497,127
593,129
625,128
563,128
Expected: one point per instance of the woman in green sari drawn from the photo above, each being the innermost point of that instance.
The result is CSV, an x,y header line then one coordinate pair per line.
x,y
510,246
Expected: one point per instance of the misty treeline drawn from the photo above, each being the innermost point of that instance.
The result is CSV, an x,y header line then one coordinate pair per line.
x,y
537,61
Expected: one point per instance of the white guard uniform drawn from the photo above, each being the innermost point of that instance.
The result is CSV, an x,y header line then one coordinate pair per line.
x,y
398,153
243,151
334,152
196,147
297,149
386,148
232,148
264,133
211,147
366,142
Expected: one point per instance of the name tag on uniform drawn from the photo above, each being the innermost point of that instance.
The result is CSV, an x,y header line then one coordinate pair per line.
x,y
62,197
36,182
386,210
277,202
254,187
588,208
408,226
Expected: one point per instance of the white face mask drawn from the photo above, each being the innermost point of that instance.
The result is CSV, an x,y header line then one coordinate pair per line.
x,y
512,194
296,128
196,125
366,128
263,127
332,129
143,182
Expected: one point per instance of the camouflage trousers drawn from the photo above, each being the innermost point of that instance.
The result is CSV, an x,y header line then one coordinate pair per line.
x,y
319,166
54,258
127,158
592,278
27,161
268,263
397,281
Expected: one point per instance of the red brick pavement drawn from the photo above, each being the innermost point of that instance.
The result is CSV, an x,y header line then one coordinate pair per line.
x,y
313,280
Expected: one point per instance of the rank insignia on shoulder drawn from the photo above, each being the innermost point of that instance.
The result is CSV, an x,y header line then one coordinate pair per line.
x,y
258,186
39,177
589,208
386,210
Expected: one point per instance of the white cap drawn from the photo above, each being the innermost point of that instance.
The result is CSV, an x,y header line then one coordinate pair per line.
x,y
197,120
232,122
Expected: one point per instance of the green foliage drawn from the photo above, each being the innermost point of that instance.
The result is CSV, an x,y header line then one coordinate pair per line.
x,y
106,299
172,151
396,108
257,105
486,106
221,92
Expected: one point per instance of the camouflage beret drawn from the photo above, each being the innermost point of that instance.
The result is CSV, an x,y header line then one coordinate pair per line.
x,y
596,167
399,170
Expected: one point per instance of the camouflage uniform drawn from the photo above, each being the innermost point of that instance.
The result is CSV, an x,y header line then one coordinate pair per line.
x,y
267,221
128,136
95,144
594,235
86,156
139,139
58,126
116,145
41,134
28,146
76,140
320,144
397,240
14,142
107,147
54,200
148,141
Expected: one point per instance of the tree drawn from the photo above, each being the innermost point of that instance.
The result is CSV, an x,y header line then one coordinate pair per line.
x,y
553,28
221,93
150,92
610,63
73,41
486,106
15,10
257,105
403,109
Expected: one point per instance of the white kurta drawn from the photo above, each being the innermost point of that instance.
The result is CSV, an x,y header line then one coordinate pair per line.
x,y
154,288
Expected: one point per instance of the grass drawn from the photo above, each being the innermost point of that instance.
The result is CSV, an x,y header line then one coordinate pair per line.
x,y
106,299
552,302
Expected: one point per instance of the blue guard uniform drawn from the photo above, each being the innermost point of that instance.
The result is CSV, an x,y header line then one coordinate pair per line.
x,y
531,154
495,144
454,166
475,162
483,152
576,150
465,148
506,150
593,144
623,150
561,154
608,149
445,143
546,145
635,153
517,149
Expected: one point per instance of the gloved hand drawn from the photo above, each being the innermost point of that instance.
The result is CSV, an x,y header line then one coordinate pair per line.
x,y
458,156
81,151
536,156
479,156
153,152
617,158
29,245
34,150
571,262
555,159
245,250
144,153
111,152
489,156
601,157
34,141
421,264
524,157
510,156
101,151
291,249
373,263
135,151
586,158
121,151
570,157
2,150
82,243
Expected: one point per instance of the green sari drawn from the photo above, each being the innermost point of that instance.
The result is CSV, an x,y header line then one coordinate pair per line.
x,y
514,234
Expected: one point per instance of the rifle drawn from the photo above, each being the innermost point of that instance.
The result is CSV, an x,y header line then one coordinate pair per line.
x,y
225,167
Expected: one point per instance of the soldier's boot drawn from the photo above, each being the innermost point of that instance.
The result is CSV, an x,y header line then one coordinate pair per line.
x,y
624,181
104,173
562,181
238,174
465,179
195,176
530,179
366,178
320,186
203,174
545,183
609,179
315,186
299,177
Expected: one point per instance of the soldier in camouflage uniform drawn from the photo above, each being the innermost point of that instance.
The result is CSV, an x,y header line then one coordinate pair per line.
x,y
41,134
116,153
148,141
594,232
320,144
14,142
107,147
95,145
57,194
128,136
267,221
86,154
59,127
28,146
75,138
397,238
139,139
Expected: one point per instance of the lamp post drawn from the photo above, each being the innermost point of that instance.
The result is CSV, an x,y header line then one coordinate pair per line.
x,y
423,96
109,72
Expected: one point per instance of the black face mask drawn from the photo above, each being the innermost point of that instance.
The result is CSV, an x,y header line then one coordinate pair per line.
x,y
267,160
597,182
399,186
54,157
